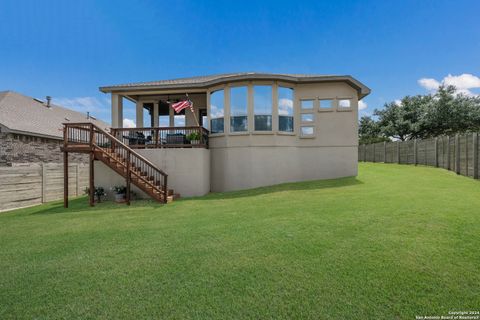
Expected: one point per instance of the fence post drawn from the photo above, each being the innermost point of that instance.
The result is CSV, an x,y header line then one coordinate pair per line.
x,y
373,152
475,155
436,152
384,151
415,152
398,152
44,183
457,154
448,154
364,153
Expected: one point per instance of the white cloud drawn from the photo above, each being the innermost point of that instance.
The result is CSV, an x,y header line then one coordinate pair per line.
x,y
128,123
429,83
82,104
398,102
464,83
362,105
216,112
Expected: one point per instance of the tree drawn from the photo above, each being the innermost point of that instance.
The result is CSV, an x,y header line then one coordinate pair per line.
x,y
369,131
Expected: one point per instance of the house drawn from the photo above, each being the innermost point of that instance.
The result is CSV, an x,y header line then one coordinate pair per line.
x,y
246,130
31,129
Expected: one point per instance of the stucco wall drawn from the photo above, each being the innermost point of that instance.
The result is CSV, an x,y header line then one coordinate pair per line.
x,y
253,159
188,171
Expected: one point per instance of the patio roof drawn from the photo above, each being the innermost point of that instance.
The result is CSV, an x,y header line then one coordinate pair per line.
x,y
212,80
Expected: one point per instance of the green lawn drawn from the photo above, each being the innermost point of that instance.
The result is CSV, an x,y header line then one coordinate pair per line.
x,y
395,242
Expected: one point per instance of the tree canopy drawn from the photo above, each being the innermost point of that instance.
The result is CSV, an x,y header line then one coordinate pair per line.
x,y
445,112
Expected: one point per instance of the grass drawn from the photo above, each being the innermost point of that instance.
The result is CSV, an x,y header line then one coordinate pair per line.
x,y
395,242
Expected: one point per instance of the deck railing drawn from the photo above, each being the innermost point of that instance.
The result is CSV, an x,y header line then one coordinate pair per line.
x,y
163,137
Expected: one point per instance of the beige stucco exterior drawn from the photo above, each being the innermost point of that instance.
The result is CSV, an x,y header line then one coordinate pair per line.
x,y
252,159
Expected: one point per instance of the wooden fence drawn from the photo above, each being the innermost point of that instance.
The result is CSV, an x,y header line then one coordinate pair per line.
x,y
458,153
23,186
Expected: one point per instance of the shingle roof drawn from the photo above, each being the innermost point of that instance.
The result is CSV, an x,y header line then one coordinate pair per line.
x,y
206,81
26,115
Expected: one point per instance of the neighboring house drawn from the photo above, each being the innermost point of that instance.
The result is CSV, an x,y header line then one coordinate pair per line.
x,y
31,130
258,129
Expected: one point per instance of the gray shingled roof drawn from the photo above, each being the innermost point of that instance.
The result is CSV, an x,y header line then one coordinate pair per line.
x,y
22,114
206,81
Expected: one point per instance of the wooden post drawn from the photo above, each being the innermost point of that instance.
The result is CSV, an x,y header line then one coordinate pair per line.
x,y
364,153
65,179
384,152
436,152
457,154
415,152
65,168
373,152
91,183
128,178
475,155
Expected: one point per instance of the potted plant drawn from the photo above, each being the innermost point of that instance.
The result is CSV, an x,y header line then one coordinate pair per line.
x,y
98,193
119,192
194,138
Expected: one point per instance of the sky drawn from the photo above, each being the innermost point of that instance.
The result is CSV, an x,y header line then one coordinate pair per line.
x,y
67,49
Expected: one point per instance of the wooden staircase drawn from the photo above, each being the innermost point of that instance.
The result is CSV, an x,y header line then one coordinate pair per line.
x,y
102,146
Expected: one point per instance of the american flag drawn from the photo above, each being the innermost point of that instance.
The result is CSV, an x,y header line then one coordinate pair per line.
x,y
179,106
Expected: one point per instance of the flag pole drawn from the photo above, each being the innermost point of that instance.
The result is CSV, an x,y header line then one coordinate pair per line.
x,y
193,112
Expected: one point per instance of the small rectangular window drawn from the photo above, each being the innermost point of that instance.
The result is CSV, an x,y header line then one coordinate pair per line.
x,y
326,104
307,117
306,104
344,103
306,131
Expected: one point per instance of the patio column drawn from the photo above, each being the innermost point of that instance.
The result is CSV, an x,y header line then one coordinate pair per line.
x,y
155,114
117,111
139,114
171,117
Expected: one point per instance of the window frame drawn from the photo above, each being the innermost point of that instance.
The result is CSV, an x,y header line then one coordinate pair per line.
x,y
307,136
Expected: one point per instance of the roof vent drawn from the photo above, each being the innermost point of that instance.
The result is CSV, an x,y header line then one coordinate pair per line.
x,y
48,101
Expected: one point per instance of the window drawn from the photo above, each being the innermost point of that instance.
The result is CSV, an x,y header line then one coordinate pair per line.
x,y
344,103
238,109
326,104
307,117
306,131
306,104
202,116
216,111
285,109
179,119
164,114
262,108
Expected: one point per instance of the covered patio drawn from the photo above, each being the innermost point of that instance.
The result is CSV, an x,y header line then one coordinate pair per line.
x,y
165,128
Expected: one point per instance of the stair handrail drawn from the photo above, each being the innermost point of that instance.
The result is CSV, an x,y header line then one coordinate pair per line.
x,y
117,142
